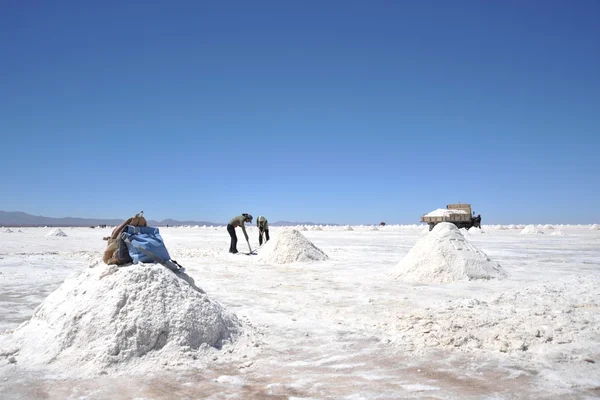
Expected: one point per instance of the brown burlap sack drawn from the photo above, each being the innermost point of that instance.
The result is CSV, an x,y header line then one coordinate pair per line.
x,y
111,253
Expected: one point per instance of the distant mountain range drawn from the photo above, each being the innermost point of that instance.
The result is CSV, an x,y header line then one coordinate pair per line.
x,y
17,218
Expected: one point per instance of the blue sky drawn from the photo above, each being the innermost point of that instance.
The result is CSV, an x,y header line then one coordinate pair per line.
x,y
343,112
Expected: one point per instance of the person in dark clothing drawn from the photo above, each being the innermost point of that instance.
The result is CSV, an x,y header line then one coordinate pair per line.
x,y
478,221
263,227
234,223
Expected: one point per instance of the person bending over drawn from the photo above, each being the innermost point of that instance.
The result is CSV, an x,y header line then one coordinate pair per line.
x,y
234,223
263,227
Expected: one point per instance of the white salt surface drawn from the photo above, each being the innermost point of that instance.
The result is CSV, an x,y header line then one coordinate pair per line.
x,y
111,318
344,327
531,230
56,232
444,255
290,246
476,231
442,212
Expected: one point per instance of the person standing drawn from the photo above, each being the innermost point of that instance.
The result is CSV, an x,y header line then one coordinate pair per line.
x,y
234,223
263,227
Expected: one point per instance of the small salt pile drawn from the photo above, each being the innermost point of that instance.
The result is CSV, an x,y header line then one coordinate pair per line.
x,y
56,232
445,256
290,246
531,230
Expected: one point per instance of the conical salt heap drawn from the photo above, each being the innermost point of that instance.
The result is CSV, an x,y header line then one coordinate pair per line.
x,y
290,246
111,318
56,232
445,256
531,230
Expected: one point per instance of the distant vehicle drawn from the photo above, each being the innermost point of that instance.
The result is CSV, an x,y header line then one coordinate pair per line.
x,y
382,224
457,214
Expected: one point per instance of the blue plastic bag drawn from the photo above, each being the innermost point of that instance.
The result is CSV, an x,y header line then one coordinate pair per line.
x,y
145,244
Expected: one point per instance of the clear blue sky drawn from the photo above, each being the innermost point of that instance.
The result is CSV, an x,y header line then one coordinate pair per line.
x,y
325,111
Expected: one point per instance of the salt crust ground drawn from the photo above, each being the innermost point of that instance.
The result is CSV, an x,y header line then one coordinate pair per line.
x,y
290,246
109,318
445,255
552,288
549,327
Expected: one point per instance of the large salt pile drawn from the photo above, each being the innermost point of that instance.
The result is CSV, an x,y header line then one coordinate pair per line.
x,y
531,230
595,227
139,317
348,228
445,256
56,232
8,230
373,228
317,228
290,246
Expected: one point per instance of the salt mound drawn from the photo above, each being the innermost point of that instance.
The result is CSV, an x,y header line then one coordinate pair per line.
x,y
8,230
547,226
445,256
373,228
531,230
290,246
595,227
56,232
558,232
304,229
317,228
348,228
136,317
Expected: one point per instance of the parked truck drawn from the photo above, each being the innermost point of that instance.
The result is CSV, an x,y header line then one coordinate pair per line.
x,y
459,214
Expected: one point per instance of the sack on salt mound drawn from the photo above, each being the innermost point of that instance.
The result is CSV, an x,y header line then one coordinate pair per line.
x,y
445,256
119,318
290,246
56,232
531,230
